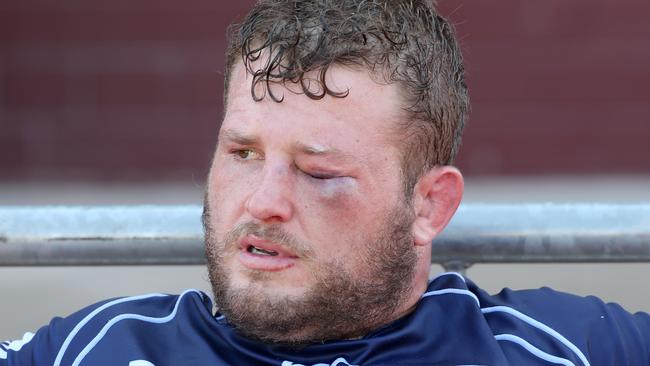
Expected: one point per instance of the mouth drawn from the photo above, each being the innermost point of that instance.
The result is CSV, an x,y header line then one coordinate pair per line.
x,y
264,255
263,247
259,251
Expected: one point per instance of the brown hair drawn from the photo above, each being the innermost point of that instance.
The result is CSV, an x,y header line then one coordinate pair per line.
x,y
400,41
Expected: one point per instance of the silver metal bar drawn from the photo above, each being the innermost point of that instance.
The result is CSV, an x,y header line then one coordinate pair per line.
x,y
510,233
100,235
479,233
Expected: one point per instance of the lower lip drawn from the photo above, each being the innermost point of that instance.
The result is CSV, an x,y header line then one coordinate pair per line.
x,y
265,262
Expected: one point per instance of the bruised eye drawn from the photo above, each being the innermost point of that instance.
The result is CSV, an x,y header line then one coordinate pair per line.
x,y
246,154
321,176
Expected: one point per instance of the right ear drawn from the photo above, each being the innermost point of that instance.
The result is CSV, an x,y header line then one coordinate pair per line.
x,y
437,195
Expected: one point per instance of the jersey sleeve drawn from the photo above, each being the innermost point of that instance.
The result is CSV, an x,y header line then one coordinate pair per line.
x,y
15,346
41,347
618,337
603,334
33,349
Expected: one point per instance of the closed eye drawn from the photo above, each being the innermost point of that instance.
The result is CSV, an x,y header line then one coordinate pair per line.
x,y
321,176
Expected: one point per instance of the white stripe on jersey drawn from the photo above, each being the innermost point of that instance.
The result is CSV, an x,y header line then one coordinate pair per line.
x,y
15,345
512,338
456,291
534,350
539,325
75,330
449,274
118,318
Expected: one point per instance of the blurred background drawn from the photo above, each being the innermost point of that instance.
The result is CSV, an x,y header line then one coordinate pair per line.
x,y
119,103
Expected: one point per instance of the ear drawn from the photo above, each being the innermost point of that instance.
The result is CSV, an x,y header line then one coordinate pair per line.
x,y
437,195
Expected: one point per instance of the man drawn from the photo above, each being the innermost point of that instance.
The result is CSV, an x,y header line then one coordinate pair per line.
x,y
330,179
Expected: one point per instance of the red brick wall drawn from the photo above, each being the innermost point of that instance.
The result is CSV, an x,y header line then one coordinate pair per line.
x,y
110,89
132,89
557,86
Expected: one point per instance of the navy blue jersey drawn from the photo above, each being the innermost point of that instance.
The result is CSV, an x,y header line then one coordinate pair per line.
x,y
455,323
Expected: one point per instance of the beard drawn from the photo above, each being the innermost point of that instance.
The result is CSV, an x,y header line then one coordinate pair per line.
x,y
341,303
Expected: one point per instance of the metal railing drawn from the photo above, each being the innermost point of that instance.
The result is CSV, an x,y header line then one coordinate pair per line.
x,y
479,233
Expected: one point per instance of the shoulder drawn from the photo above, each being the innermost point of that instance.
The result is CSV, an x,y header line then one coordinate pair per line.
x,y
147,308
591,330
62,336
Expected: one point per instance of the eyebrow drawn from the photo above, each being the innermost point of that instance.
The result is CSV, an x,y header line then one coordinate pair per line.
x,y
238,137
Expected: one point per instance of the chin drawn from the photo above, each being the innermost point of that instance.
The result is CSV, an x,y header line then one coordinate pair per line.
x,y
281,285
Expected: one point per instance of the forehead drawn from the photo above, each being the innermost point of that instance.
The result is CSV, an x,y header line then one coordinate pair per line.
x,y
369,109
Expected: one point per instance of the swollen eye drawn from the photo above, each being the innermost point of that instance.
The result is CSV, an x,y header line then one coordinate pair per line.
x,y
320,176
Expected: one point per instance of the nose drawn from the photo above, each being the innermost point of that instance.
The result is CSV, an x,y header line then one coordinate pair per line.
x,y
270,201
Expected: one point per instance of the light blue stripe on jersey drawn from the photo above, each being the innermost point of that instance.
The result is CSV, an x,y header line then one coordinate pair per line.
x,y
519,315
539,325
534,350
84,321
449,274
456,291
118,318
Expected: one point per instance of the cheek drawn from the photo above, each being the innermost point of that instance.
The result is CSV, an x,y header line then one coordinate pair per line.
x,y
228,189
334,195
228,176
336,204
336,191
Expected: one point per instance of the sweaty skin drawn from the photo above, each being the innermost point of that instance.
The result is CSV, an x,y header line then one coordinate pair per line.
x,y
323,177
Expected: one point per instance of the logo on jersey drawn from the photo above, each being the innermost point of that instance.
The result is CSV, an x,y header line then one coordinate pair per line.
x,y
14,345
338,362
140,363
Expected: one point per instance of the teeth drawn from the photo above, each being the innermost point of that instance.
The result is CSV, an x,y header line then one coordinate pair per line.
x,y
259,251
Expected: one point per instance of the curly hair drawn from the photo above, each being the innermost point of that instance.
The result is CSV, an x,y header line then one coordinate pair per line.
x,y
403,42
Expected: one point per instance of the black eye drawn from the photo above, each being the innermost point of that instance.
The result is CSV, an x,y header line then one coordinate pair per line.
x,y
320,176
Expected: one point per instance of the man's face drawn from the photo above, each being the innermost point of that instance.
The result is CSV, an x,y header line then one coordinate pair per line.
x,y
308,235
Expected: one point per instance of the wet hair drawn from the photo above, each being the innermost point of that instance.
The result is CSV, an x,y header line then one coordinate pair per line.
x,y
403,42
